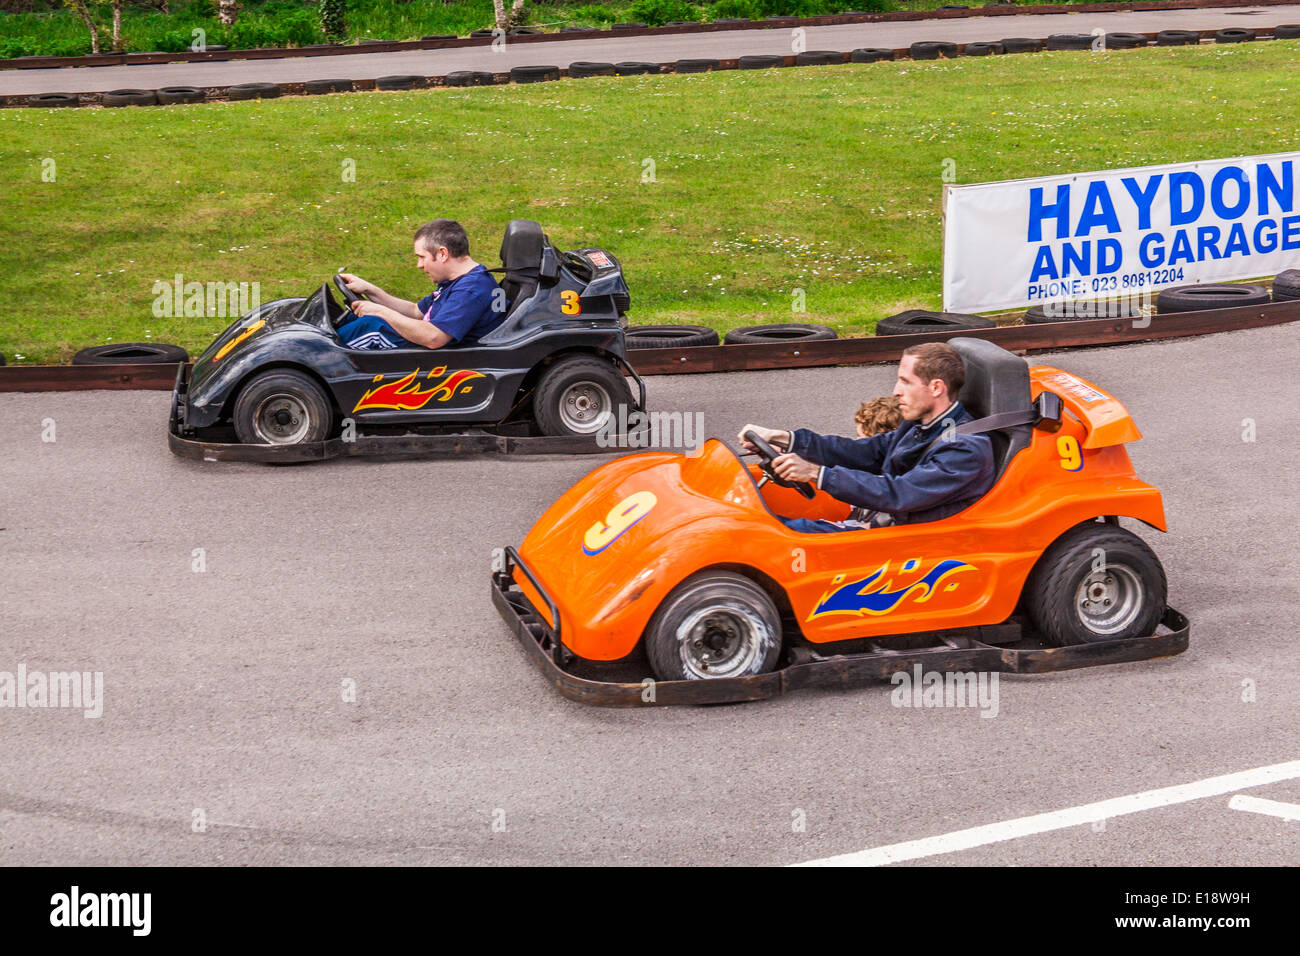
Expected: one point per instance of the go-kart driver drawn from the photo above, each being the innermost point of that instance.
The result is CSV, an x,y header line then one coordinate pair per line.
x,y
885,473
465,305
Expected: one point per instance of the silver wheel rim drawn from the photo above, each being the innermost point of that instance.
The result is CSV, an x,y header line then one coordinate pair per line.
x,y
281,419
722,640
584,406
1109,600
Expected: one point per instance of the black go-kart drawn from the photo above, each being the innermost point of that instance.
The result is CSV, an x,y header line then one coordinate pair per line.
x,y
279,385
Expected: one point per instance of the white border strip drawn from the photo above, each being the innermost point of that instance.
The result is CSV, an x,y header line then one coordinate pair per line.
x,y
1274,808
1060,819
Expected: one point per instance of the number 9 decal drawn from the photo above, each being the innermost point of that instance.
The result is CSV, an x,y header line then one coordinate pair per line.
x,y
1067,446
621,517
570,304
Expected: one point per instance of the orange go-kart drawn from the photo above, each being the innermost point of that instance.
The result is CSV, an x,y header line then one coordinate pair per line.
x,y
679,561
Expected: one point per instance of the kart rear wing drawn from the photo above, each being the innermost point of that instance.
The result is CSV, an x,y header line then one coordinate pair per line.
x,y
1105,419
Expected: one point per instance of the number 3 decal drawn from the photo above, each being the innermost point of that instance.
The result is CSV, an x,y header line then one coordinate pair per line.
x,y
571,305
1068,448
621,517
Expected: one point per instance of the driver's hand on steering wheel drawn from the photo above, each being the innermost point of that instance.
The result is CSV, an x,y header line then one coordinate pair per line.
x,y
362,307
773,436
791,467
358,284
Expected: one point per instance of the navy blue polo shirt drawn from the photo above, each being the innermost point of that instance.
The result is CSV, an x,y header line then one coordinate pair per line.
x,y
463,307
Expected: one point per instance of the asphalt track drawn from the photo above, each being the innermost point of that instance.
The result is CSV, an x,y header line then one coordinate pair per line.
x,y
658,49
223,695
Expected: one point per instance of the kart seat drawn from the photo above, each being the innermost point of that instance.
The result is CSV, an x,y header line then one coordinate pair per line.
x,y
996,381
521,257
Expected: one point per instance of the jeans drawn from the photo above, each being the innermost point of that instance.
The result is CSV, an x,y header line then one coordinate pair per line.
x,y
817,526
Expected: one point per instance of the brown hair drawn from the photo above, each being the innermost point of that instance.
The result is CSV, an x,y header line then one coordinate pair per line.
x,y
879,415
444,233
938,360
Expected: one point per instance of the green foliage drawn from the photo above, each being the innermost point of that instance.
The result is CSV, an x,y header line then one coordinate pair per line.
x,y
332,20
595,13
734,8
298,28
658,12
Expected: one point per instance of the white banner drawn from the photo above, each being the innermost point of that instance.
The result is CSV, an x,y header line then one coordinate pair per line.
x,y
1118,233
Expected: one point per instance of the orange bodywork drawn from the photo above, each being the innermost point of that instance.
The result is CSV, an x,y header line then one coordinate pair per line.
x,y
613,546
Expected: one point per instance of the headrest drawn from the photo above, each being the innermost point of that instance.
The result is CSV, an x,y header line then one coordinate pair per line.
x,y
996,380
521,249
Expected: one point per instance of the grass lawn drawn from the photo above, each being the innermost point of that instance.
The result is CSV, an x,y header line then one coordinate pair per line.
x,y
825,179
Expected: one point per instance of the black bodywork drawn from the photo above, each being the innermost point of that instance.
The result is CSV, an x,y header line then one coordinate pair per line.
x,y
559,304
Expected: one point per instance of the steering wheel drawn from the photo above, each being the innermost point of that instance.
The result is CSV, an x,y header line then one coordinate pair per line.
x,y
348,295
767,454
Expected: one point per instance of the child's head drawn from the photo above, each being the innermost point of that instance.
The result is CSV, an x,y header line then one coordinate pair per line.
x,y
878,415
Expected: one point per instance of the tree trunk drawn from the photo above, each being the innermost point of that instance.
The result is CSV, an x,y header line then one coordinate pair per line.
x,y
117,24
80,7
505,21
228,11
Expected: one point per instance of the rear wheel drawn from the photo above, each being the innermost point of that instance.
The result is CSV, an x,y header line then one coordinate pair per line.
x,y
1097,582
282,407
715,624
577,396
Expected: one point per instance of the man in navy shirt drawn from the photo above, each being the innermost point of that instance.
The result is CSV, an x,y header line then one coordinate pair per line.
x,y
465,305
892,473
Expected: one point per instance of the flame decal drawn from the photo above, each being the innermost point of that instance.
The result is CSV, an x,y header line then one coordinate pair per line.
x,y
405,395
225,349
871,595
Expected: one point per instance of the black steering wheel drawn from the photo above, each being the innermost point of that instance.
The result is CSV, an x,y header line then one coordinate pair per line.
x,y
348,295
767,454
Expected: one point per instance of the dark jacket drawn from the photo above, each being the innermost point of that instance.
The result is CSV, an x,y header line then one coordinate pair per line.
x,y
881,472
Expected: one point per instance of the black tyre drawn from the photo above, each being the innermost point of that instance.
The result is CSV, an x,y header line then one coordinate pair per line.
x,y
1097,582
920,320
634,68
779,332
932,50
53,100
628,26
868,54
576,396
669,336
585,68
130,98
715,624
131,353
1078,311
400,81
282,407
1177,38
1021,45
695,66
818,58
1125,41
982,49
1287,31
479,34
578,30
1234,35
1194,298
316,87
534,74
254,91
759,61
1286,285
525,32
1070,41
169,95
470,78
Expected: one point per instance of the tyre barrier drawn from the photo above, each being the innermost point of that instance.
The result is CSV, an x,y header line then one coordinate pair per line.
x,y
400,81
818,58
470,78
1195,298
670,336
578,30
586,68
982,49
1287,31
635,68
130,98
254,91
759,61
1070,41
779,332
1021,45
1124,41
53,100
921,320
439,36
131,353
869,54
525,32
482,34
932,50
316,87
629,26
534,74
169,95
1177,38
1079,311
1286,285
1234,35
695,66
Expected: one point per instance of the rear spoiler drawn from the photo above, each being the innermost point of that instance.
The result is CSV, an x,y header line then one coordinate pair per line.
x,y
1105,419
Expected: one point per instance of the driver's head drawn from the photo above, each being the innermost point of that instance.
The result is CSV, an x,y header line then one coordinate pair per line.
x,y
929,378
439,246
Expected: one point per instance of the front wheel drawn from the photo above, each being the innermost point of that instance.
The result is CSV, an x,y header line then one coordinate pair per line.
x,y
578,395
715,624
282,407
1097,582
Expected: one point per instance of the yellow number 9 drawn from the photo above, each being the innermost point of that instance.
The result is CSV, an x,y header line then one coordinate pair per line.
x,y
1067,446
621,517
571,305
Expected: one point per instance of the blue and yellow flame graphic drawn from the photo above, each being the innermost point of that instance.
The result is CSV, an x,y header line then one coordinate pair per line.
x,y
872,594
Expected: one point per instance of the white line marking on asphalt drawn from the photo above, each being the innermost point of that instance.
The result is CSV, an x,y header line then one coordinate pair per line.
x,y
1274,808
1060,819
